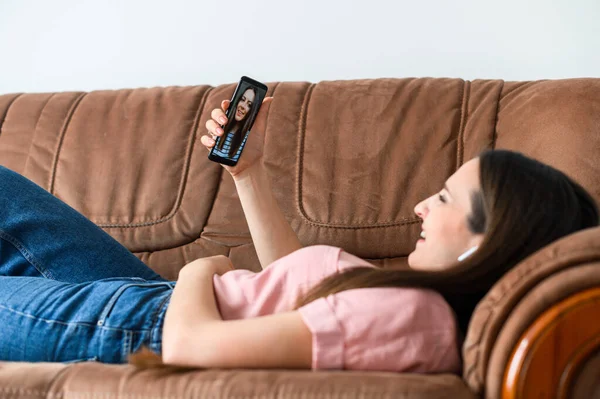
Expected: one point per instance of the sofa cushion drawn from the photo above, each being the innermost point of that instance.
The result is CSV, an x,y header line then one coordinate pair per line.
x,y
28,380
350,160
86,380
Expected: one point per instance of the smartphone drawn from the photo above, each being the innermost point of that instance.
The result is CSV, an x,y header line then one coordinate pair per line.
x,y
245,103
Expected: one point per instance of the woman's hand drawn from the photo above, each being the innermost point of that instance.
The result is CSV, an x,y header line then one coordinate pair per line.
x,y
253,150
218,264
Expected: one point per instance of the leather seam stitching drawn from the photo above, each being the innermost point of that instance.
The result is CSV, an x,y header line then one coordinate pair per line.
x,y
183,179
495,131
61,138
26,391
228,247
464,115
300,150
3,118
35,130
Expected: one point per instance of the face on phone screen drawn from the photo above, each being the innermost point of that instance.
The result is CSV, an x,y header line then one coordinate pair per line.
x,y
240,118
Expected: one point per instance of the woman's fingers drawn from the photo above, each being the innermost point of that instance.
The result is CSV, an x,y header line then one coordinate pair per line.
x,y
214,128
218,116
207,141
214,124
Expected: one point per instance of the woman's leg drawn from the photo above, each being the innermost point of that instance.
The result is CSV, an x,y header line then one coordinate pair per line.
x,y
41,236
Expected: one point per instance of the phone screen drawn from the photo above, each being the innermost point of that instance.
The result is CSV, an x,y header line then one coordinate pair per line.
x,y
242,111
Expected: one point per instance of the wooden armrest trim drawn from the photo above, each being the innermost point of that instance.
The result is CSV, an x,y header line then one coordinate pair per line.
x,y
551,351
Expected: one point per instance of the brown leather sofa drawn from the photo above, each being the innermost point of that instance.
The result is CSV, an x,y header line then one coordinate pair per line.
x,y
348,161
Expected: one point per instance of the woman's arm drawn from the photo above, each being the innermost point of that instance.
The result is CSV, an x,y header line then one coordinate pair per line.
x,y
194,334
272,235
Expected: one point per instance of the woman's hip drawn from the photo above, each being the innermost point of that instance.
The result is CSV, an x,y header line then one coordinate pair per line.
x,y
47,320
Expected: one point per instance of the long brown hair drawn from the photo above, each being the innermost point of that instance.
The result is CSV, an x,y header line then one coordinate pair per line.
x,y
523,206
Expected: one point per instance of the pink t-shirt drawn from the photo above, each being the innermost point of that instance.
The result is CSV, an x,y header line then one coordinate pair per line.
x,y
385,329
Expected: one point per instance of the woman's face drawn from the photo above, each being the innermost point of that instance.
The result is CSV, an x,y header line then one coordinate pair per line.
x,y
445,234
244,105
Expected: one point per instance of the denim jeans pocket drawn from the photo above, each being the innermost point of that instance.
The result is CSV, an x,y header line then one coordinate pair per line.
x,y
134,303
132,319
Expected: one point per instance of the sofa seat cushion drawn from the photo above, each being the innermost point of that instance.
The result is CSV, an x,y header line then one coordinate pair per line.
x,y
28,380
84,380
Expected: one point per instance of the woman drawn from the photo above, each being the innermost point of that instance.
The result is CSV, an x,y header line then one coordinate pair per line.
x,y
82,296
230,144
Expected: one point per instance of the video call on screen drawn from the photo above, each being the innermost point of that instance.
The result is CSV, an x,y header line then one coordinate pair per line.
x,y
241,115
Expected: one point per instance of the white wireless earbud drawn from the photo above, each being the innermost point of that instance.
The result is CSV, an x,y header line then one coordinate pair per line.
x,y
467,253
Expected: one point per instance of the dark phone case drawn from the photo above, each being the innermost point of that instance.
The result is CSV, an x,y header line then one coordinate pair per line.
x,y
252,82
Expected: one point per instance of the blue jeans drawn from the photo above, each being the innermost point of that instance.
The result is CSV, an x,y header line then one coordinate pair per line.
x,y
69,291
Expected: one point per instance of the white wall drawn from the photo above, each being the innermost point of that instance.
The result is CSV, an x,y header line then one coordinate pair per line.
x,y
64,45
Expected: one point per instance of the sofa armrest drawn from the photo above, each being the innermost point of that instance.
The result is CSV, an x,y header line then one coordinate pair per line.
x,y
563,269
554,351
568,293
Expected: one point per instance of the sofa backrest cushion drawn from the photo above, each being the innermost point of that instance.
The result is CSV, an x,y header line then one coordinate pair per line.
x,y
348,160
